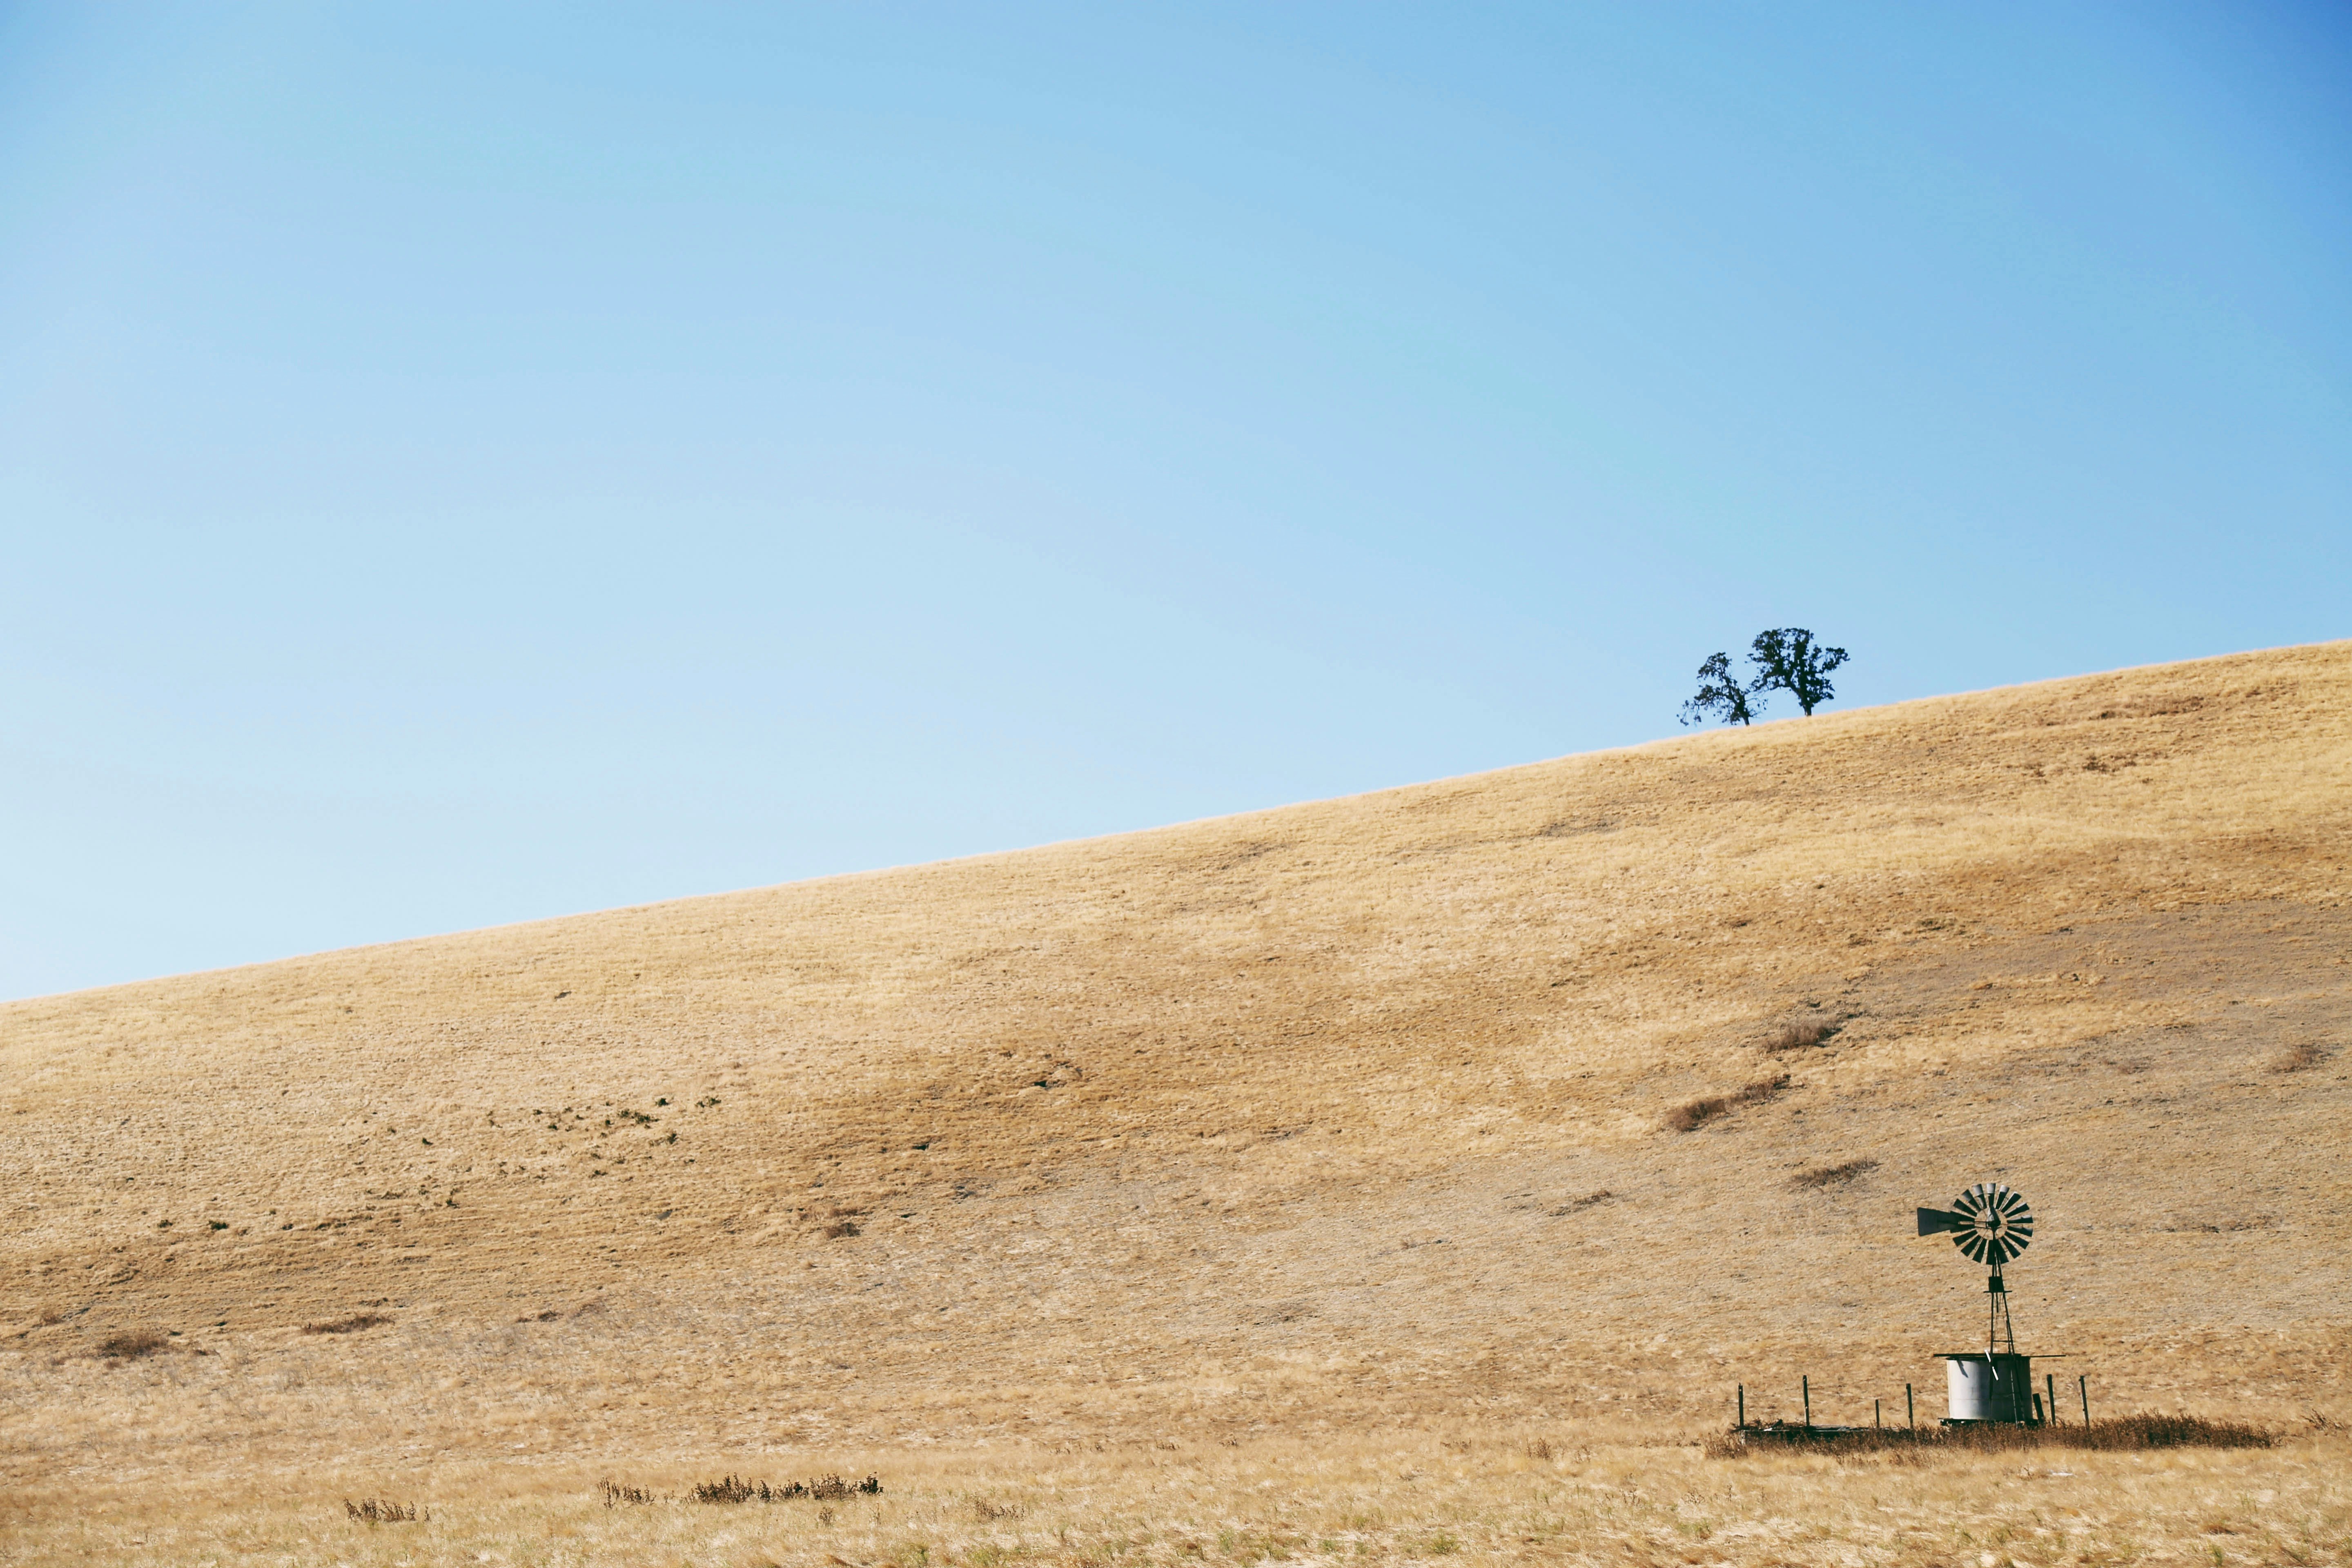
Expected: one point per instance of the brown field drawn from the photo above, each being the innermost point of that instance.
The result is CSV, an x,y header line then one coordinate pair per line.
x,y
1299,1185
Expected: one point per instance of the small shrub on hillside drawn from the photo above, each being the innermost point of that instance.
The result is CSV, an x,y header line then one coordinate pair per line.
x,y
615,1493
1800,1037
1834,1175
132,1344
1696,1113
359,1322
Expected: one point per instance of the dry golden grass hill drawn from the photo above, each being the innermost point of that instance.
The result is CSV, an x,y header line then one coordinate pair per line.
x,y
1341,1124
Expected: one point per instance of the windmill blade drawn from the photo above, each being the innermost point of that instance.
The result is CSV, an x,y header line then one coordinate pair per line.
x,y
1936,1222
2016,1238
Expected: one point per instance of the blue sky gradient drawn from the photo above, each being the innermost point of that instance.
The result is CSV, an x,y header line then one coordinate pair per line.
x,y
465,464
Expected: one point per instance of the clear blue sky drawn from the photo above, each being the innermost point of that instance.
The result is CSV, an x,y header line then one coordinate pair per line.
x,y
465,464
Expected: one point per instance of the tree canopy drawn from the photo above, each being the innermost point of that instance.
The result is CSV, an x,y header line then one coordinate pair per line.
x,y
1786,658
1721,696
1790,660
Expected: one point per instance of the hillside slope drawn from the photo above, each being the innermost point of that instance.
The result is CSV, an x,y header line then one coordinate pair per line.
x,y
1347,1112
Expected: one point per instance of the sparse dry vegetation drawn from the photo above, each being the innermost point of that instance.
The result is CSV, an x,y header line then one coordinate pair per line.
x,y
825,1489
1695,1113
133,1344
1606,1496
382,1510
2119,1434
1834,1175
1800,1036
1292,1186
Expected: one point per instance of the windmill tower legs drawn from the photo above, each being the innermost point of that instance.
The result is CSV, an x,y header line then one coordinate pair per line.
x,y
1997,1327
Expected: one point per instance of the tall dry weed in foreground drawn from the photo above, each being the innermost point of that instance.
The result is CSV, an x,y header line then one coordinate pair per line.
x,y
384,1510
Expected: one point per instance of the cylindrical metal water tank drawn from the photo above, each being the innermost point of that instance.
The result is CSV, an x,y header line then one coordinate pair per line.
x,y
1980,1388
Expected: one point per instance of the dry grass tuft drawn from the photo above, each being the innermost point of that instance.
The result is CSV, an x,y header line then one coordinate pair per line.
x,y
359,1322
384,1510
1834,1175
2299,1058
613,1492
735,1489
133,1344
1696,1113
1801,1036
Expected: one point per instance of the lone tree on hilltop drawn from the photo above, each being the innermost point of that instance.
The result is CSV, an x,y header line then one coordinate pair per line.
x,y
1719,696
1786,658
1789,660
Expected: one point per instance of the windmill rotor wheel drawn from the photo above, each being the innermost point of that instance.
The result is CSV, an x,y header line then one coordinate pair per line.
x,y
1995,1224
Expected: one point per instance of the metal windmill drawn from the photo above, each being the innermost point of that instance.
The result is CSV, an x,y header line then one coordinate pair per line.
x,y
1991,1224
